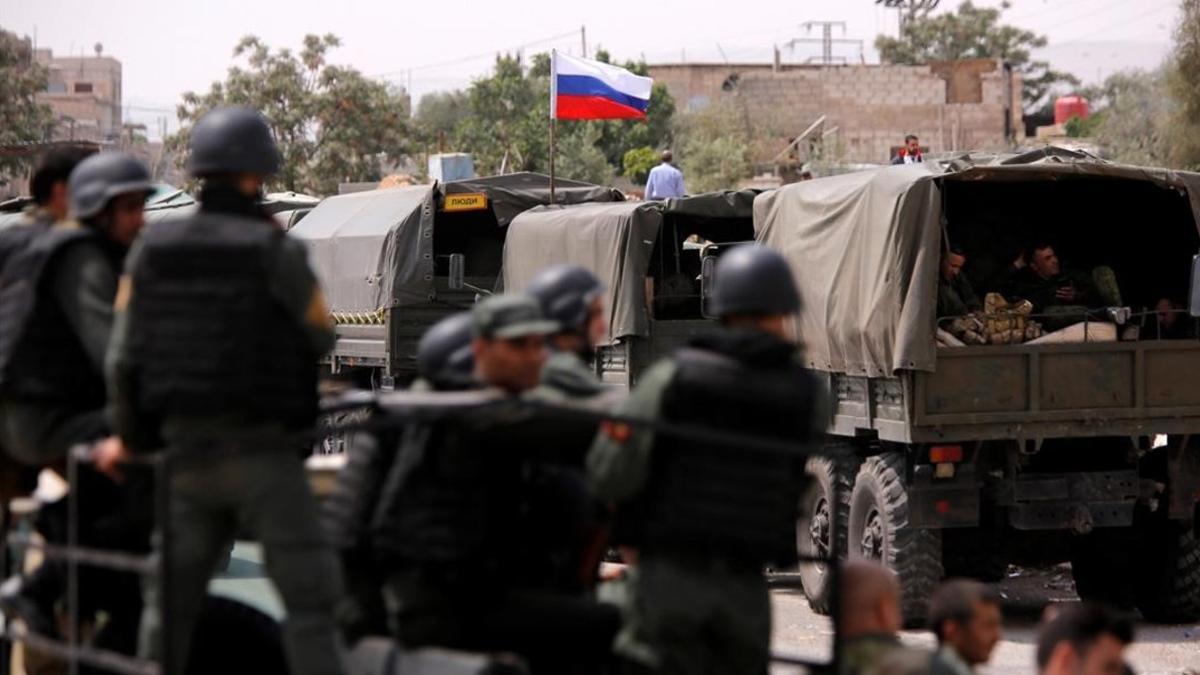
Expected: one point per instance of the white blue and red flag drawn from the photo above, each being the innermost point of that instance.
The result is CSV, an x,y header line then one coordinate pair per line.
x,y
582,89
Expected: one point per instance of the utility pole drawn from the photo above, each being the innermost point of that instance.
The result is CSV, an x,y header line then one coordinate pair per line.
x,y
827,41
826,36
583,39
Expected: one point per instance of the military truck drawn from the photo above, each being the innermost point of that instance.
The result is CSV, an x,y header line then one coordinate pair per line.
x,y
394,261
960,460
649,256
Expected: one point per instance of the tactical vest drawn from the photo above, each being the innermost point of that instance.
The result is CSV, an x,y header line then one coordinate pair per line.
x,y
42,359
208,336
717,500
459,498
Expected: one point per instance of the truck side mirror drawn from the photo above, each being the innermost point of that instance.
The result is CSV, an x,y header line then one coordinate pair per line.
x,y
1194,295
458,270
708,275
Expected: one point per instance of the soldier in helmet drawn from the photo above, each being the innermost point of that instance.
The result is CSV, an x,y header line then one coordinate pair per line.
x,y
565,519
453,540
214,357
706,517
372,480
56,298
574,297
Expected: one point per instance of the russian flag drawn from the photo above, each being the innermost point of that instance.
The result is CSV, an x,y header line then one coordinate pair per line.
x,y
582,89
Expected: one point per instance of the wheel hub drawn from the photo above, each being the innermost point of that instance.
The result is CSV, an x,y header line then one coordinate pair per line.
x,y
818,528
872,536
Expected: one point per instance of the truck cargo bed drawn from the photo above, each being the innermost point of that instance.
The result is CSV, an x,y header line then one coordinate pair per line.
x,y
1024,391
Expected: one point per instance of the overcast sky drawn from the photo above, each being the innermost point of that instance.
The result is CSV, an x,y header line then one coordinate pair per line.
x,y
168,47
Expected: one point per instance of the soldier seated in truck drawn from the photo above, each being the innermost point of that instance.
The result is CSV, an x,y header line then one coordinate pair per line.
x,y
1171,321
955,296
1064,296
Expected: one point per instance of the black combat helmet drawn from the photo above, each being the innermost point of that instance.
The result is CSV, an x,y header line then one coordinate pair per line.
x,y
755,280
444,354
566,292
99,178
232,140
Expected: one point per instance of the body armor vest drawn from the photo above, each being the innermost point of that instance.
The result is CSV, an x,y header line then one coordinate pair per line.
x,y
208,335
463,491
455,487
41,357
719,500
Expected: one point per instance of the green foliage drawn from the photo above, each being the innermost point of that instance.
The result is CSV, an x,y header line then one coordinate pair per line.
x,y
332,124
1079,127
507,125
507,117
974,32
1133,110
578,157
715,143
1183,85
638,162
442,112
22,118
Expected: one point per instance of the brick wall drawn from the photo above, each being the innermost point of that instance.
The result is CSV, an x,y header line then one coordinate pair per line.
x,y
964,105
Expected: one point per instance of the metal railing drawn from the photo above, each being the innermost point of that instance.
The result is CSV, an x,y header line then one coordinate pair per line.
x,y
1118,316
151,565
386,411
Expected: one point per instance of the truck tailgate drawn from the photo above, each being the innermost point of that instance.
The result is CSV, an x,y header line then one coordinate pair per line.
x,y
1114,388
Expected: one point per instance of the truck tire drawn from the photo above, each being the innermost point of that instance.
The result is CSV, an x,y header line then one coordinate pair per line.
x,y
1168,573
821,506
878,530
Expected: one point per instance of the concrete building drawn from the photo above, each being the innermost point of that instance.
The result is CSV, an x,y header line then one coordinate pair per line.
x,y
972,104
85,94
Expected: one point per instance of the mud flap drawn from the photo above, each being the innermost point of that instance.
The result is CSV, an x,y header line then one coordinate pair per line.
x,y
1183,467
937,504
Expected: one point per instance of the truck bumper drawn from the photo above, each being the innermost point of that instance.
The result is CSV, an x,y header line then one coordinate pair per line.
x,y
1075,501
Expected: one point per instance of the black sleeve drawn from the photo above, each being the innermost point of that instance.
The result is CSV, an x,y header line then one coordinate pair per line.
x,y
84,284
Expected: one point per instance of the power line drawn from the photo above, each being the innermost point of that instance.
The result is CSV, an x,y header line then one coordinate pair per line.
x,y
480,55
1093,13
1043,12
1124,23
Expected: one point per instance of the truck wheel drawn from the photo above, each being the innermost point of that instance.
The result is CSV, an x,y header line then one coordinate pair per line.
x,y
879,531
820,506
1168,573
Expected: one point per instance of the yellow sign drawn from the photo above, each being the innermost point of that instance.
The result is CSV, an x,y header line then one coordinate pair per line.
x,y
470,201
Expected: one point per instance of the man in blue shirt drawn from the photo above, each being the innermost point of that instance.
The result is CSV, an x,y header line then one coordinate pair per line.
x,y
665,180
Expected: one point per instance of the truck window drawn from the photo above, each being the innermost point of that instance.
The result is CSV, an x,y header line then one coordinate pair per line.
x,y
675,261
474,234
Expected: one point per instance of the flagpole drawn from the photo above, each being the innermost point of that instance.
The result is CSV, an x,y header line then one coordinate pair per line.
x,y
553,113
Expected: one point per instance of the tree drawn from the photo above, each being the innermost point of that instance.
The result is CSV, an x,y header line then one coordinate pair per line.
x,y
974,32
507,119
579,158
331,123
1129,124
1183,85
440,112
618,136
716,147
638,162
22,118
